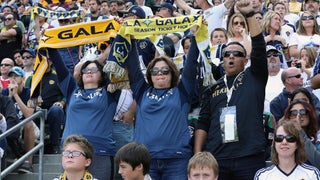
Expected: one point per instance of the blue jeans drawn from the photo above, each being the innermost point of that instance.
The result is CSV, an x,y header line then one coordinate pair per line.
x,y
172,169
122,135
242,168
55,118
102,167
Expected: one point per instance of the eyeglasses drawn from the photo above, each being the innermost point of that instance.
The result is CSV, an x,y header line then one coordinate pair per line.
x,y
73,153
64,20
8,19
238,22
296,76
5,65
165,70
307,17
273,55
234,53
289,138
26,57
87,70
128,15
294,113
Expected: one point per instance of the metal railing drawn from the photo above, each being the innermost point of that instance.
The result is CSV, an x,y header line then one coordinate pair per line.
x,y
39,147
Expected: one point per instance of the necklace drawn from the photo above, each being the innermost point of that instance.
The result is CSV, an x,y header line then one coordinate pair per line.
x,y
150,95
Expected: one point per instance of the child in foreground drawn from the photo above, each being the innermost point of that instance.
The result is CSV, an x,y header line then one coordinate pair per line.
x,y
76,158
134,161
203,166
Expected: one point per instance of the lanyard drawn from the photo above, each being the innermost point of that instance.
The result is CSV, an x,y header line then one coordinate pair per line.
x,y
230,91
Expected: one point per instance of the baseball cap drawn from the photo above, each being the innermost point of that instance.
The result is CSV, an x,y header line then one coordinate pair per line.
x,y
165,5
136,10
17,70
271,48
30,51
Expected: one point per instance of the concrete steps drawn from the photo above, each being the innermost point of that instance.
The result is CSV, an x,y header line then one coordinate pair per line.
x,y
51,168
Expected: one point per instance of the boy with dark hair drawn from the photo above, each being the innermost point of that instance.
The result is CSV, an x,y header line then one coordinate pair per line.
x,y
134,161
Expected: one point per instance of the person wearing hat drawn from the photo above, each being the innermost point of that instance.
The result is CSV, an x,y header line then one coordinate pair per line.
x,y
133,12
274,85
164,10
20,96
28,58
213,14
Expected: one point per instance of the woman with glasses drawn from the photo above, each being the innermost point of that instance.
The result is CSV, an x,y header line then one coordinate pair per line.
x,y
76,158
307,34
90,110
304,113
237,31
288,156
271,27
163,103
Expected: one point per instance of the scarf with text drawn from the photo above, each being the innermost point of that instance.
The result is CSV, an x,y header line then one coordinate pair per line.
x,y
152,28
87,176
71,35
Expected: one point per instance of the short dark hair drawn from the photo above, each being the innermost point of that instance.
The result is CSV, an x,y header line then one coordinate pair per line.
x,y
235,43
174,70
134,154
103,78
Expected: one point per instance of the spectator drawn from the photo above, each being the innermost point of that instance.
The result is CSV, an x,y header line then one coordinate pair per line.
x,y
307,34
77,156
274,84
288,156
134,161
214,15
162,109
313,7
54,101
271,27
8,119
18,58
89,97
306,114
291,78
28,59
104,8
203,165
20,96
10,37
227,128
238,32
5,66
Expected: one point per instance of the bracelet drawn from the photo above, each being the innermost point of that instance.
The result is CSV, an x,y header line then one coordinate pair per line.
x,y
250,14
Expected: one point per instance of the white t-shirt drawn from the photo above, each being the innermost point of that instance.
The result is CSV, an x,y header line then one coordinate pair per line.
x,y
213,15
302,41
273,88
147,10
303,171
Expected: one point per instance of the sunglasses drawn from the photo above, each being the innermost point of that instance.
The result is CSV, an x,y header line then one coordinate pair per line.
x,y
8,19
296,76
87,70
5,65
238,22
26,57
234,53
165,70
273,55
73,153
64,20
289,138
307,17
294,113
128,15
